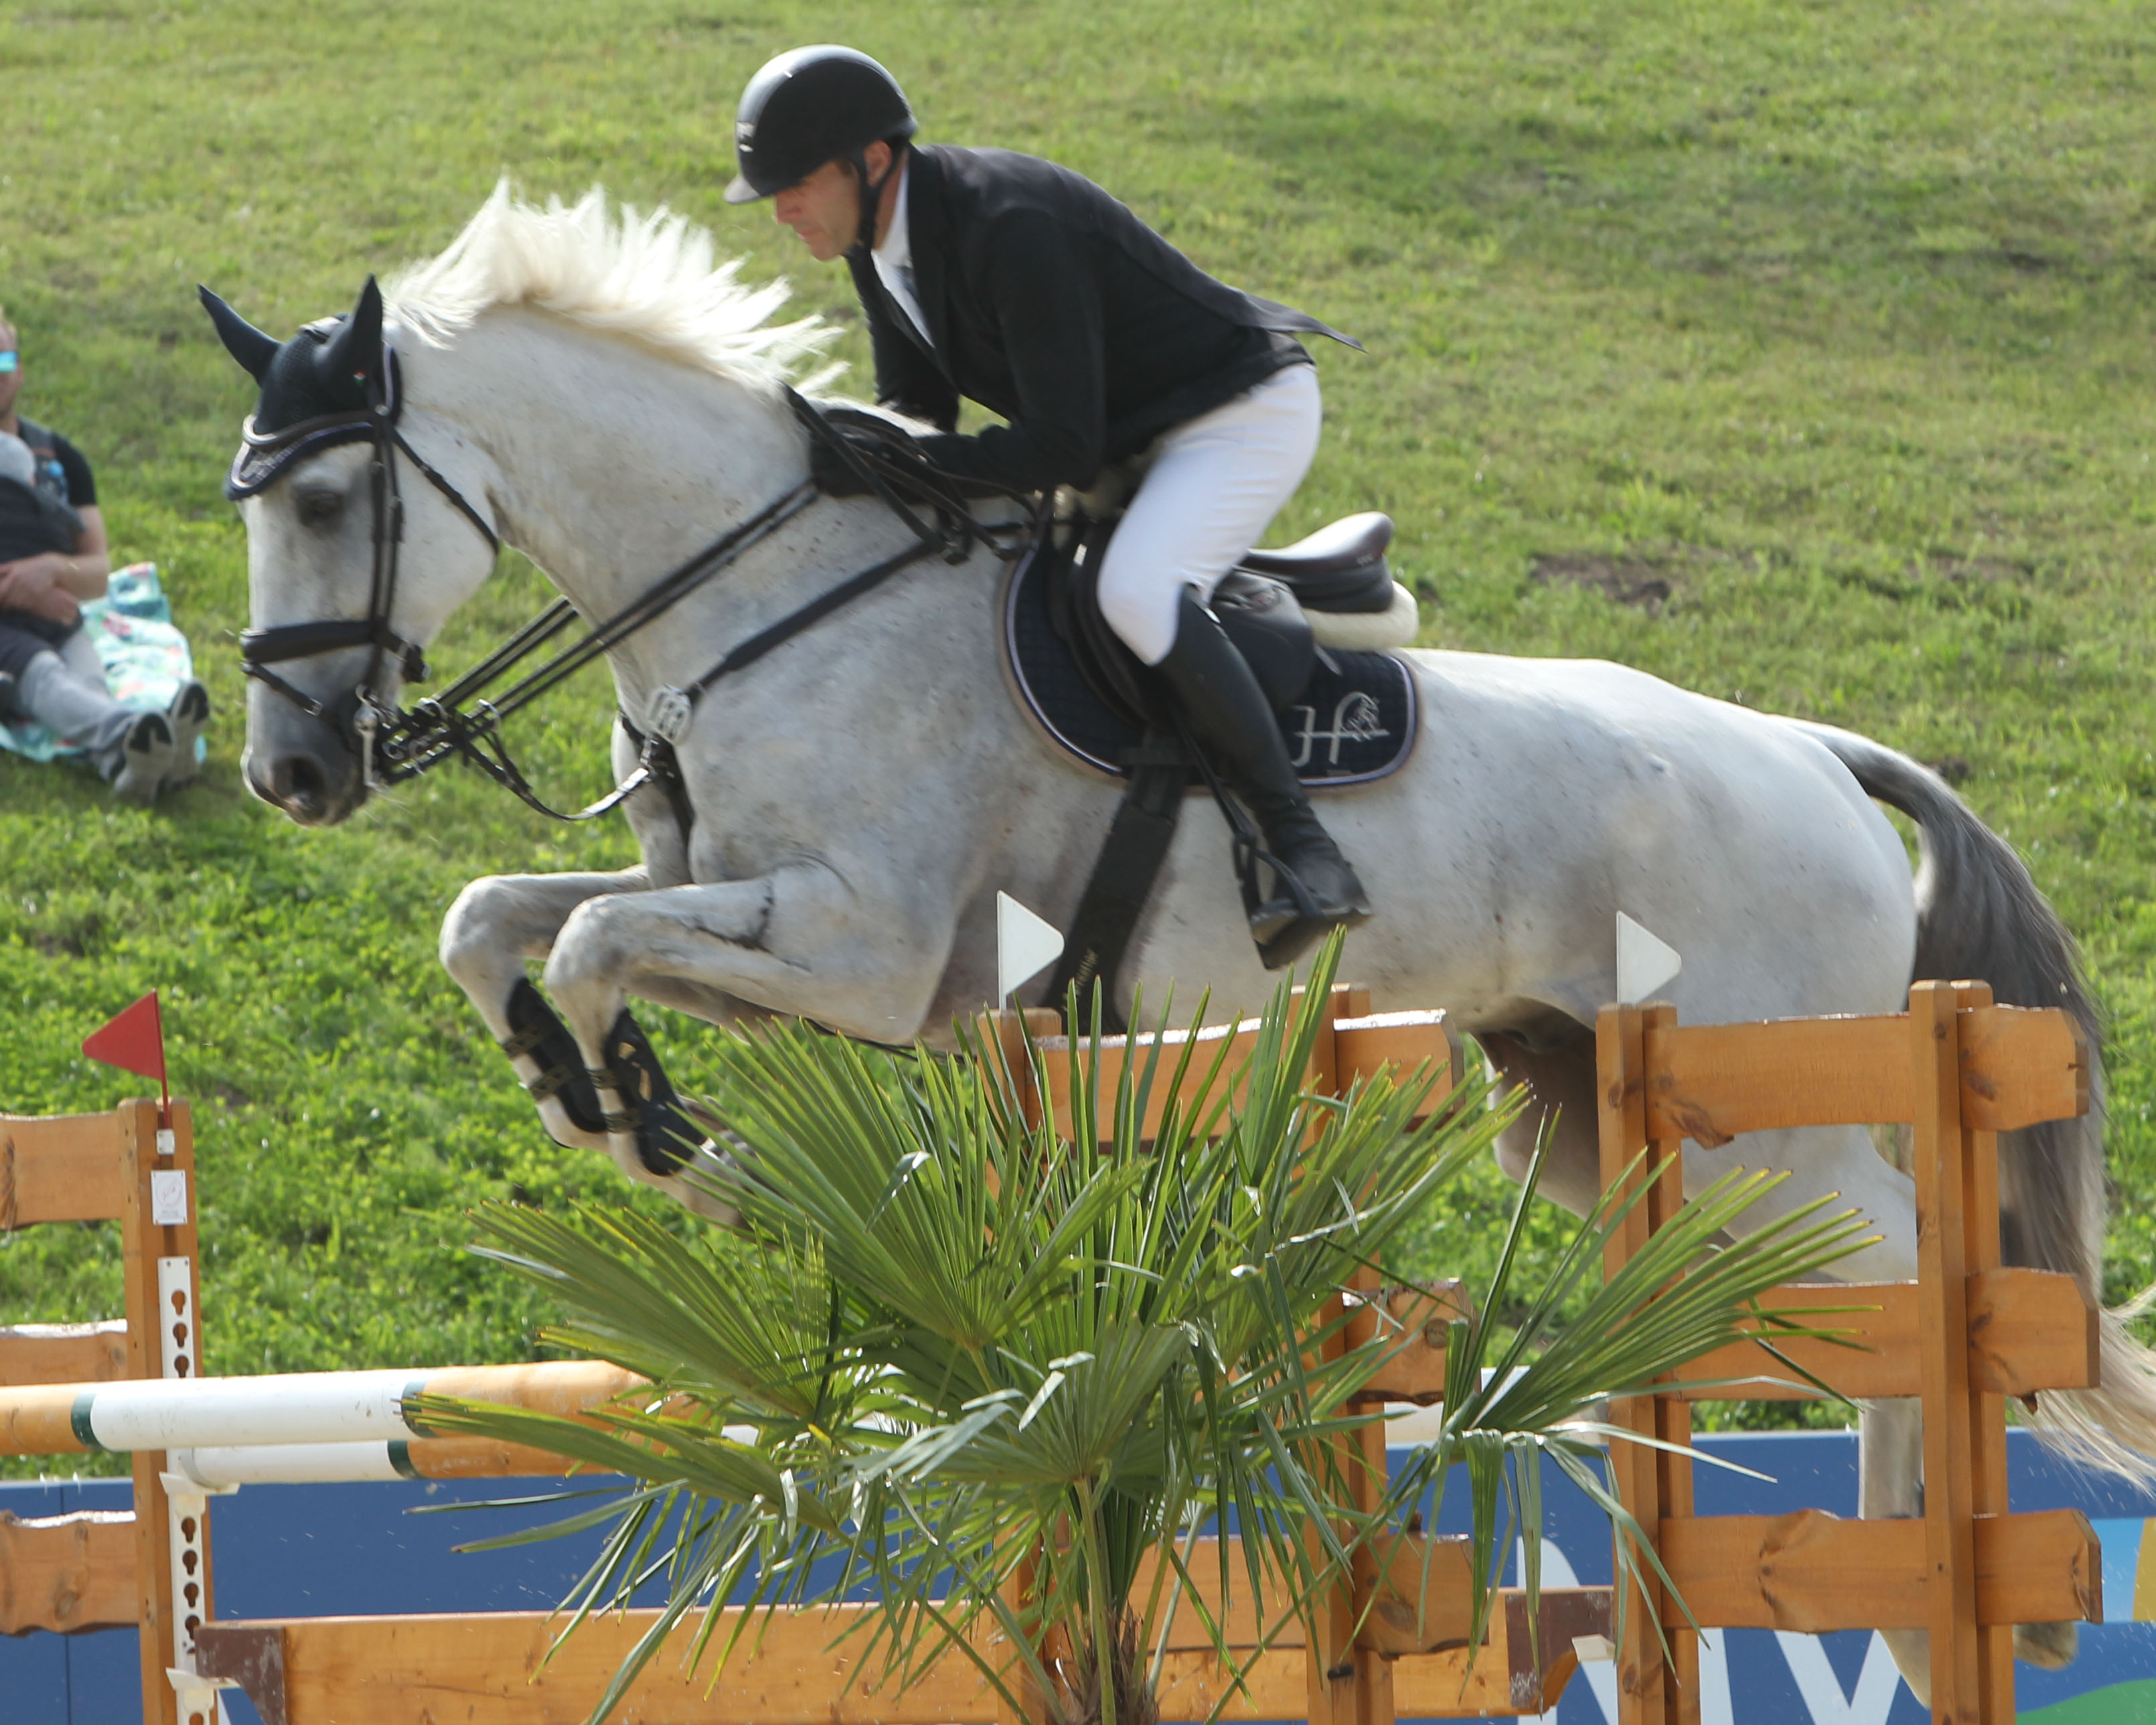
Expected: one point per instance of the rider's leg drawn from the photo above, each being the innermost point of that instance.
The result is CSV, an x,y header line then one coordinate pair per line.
x,y
1213,487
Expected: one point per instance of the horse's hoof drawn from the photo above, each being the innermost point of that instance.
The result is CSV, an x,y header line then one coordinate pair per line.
x,y
538,1034
701,1184
2048,1646
647,1121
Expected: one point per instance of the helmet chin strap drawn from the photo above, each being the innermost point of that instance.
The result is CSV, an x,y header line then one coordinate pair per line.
x,y
871,197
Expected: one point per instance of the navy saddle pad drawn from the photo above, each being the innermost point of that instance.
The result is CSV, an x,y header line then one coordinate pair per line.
x,y
1354,723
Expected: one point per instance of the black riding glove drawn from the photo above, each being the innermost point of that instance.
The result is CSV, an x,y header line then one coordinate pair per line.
x,y
878,445
834,474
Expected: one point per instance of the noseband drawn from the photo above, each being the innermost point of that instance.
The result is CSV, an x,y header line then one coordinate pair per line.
x,y
397,743
264,457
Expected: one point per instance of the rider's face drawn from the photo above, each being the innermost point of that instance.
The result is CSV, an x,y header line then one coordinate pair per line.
x,y
824,209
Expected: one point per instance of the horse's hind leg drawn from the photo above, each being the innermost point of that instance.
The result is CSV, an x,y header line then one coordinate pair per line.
x,y
1561,1079
1891,1484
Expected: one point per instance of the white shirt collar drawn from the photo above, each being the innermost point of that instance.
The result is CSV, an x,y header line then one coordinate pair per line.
x,y
893,258
896,251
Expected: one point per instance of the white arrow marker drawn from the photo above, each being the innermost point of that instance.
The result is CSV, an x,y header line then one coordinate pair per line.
x,y
1025,946
1644,963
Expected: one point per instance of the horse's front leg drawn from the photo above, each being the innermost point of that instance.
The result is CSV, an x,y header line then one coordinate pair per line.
x,y
494,927
799,941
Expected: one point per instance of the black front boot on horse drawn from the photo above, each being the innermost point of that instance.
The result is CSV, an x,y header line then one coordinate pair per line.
x,y
648,1107
1314,890
537,1033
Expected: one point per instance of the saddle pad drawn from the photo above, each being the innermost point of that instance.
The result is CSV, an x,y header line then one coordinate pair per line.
x,y
1355,723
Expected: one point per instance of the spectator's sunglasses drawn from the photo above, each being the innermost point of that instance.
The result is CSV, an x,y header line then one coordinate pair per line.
x,y
10,360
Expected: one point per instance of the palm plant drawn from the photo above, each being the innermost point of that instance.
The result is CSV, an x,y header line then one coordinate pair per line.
x,y
987,1369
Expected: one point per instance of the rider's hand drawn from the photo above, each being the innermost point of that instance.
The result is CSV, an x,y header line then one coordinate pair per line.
x,y
33,584
833,474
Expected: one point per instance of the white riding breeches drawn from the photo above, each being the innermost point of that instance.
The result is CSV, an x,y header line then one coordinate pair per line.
x,y
1213,488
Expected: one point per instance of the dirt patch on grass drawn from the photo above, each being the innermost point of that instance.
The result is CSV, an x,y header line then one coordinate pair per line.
x,y
1971,572
1624,581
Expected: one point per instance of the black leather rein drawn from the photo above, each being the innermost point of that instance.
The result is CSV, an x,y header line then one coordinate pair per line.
x,y
397,743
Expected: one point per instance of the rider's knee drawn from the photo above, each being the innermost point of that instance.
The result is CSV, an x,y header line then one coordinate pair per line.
x,y
1141,607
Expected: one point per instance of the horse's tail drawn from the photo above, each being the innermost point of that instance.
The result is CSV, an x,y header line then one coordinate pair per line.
x,y
1980,914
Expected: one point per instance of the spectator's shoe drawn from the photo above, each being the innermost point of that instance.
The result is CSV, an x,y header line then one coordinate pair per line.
x,y
7,709
187,715
145,759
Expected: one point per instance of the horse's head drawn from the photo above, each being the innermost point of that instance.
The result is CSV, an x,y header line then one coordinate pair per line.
x,y
359,545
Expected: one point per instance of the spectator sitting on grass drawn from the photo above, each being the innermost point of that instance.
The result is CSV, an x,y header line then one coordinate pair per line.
x,y
53,557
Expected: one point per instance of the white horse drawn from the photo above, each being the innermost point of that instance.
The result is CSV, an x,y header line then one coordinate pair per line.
x,y
609,404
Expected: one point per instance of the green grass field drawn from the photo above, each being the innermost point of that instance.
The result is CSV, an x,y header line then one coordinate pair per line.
x,y
1800,354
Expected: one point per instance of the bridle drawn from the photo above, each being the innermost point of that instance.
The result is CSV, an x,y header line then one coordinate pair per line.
x,y
397,743
263,458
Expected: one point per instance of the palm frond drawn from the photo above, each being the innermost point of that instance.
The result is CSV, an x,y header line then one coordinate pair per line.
x,y
953,1347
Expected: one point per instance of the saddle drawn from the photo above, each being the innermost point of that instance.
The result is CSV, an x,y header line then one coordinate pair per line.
x,y
1308,619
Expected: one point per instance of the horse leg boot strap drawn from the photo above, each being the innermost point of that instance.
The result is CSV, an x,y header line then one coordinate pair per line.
x,y
1314,889
537,1031
646,1108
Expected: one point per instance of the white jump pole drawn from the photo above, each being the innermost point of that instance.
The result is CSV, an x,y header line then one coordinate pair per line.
x,y
308,1408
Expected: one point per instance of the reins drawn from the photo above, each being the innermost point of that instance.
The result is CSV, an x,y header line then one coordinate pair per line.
x,y
397,743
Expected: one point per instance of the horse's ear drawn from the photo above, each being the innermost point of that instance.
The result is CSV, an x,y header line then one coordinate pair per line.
x,y
250,347
356,349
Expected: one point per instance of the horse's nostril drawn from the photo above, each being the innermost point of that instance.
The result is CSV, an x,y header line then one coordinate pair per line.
x,y
296,783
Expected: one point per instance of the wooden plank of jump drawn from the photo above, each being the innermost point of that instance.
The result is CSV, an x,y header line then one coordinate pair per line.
x,y
1358,1044
1977,1161
63,1353
1419,1313
1712,1081
63,1168
484,1669
162,1322
1672,1417
1404,1041
1940,1148
1643,1688
1809,1572
2028,1330
67,1572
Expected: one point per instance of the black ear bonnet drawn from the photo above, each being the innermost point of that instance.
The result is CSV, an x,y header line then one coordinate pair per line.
x,y
328,385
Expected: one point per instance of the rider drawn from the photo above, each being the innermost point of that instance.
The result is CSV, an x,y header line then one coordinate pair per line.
x,y
1020,284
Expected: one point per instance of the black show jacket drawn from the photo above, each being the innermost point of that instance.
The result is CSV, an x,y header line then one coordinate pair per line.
x,y
1048,302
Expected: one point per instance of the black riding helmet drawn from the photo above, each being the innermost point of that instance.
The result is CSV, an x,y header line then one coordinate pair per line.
x,y
809,106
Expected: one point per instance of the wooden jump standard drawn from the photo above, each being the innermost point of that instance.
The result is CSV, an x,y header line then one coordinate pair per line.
x,y
76,1574
1966,1335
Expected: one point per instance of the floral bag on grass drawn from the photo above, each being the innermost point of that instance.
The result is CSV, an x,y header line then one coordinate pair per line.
x,y
146,658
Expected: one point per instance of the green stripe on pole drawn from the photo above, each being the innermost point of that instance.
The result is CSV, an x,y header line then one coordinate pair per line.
x,y
79,1418
400,1458
418,1386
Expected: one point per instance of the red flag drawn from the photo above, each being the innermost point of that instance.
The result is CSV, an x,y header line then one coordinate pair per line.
x,y
135,1042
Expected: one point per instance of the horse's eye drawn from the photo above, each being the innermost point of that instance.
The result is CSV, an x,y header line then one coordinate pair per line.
x,y
319,508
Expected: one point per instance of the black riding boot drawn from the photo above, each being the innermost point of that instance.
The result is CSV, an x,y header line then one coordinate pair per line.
x,y
1314,889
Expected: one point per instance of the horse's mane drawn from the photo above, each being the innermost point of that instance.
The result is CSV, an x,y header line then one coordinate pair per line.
x,y
649,277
